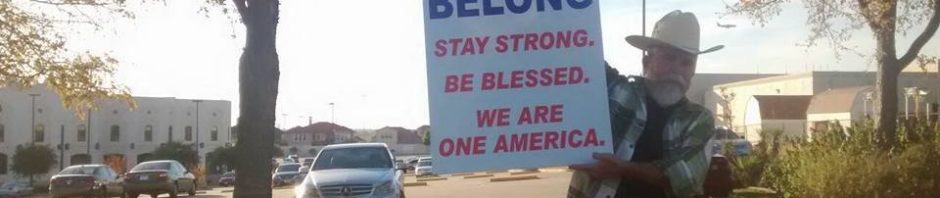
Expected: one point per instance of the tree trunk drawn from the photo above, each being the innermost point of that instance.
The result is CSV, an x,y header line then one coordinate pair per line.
x,y
258,85
886,81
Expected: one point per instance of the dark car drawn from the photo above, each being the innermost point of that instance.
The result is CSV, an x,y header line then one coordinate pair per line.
x,y
286,174
88,180
158,177
227,179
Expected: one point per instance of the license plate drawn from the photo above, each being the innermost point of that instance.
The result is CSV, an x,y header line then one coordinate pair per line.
x,y
144,177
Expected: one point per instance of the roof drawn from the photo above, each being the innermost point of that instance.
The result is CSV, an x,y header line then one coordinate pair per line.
x,y
783,107
405,136
354,145
319,127
836,100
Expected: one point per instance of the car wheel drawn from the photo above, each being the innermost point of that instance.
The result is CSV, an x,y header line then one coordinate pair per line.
x,y
192,191
174,191
130,195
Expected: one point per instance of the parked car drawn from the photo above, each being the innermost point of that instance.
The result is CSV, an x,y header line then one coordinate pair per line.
x,y
400,164
158,177
307,161
286,174
724,136
227,179
353,170
15,189
88,180
423,168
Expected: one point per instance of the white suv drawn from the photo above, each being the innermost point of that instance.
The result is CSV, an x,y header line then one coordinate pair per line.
x,y
353,170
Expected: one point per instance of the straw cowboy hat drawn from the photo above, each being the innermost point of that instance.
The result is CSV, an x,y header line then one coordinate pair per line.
x,y
677,29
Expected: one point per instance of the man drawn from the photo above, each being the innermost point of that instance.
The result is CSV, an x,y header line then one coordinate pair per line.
x,y
659,136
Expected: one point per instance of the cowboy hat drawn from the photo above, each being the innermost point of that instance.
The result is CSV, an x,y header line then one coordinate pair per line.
x,y
677,29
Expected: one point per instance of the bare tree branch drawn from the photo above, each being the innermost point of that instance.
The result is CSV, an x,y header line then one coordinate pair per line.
x,y
88,3
921,40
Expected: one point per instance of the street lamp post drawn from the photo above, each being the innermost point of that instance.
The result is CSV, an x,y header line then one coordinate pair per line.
x,y
33,118
197,124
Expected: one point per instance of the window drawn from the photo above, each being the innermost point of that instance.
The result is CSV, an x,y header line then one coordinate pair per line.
x,y
2,133
115,133
40,134
82,135
169,137
148,133
3,164
189,133
214,135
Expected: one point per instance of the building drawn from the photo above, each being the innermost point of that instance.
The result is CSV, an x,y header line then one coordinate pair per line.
x,y
782,112
402,141
315,136
836,96
114,134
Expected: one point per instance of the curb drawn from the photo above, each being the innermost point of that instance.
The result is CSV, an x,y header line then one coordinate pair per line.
x,y
524,172
477,176
513,178
415,184
460,174
432,179
228,191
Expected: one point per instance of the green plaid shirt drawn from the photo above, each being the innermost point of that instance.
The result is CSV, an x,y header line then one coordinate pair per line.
x,y
685,136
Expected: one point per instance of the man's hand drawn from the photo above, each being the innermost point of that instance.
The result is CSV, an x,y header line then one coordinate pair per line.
x,y
607,166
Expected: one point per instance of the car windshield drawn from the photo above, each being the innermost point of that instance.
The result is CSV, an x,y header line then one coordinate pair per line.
x,y
80,170
424,163
8,185
289,168
370,157
152,166
229,175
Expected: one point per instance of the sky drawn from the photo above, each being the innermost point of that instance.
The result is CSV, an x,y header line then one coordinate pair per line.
x,y
367,57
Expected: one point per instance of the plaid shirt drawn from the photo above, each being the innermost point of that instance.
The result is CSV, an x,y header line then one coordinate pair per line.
x,y
685,136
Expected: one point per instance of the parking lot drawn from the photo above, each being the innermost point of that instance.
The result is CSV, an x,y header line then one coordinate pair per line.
x,y
547,182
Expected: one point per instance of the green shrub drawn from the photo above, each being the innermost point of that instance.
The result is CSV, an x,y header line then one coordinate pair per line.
x,y
850,163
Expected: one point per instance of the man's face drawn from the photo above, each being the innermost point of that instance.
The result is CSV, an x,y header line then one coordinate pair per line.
x,y
668,71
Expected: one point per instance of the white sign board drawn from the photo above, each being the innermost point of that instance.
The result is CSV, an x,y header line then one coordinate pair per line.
x,y
515,83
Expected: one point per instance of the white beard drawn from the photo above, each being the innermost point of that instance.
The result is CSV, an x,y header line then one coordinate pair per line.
x,y
665,93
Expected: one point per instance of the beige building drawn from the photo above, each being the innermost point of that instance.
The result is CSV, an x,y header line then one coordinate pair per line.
x,y
115,134
836,96
401,141
781,112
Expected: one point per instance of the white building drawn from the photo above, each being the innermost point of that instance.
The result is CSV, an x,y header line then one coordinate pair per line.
x,y
115,134
836,96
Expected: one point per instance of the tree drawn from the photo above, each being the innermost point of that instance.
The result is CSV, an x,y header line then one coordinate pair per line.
x,y
183,153
427,138
835,21
32,160
258,83
293,150
222,158
277,152
31,52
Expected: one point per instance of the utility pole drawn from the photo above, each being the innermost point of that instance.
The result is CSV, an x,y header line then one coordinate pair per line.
x,y
88,135
61,147
197,125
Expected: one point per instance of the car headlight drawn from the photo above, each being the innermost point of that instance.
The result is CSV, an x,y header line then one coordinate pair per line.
x,y
306,191
384,189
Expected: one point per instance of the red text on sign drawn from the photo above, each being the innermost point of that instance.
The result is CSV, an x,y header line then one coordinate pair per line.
x,y
455,83
461,46
462,146
541,114
489,117
531,78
